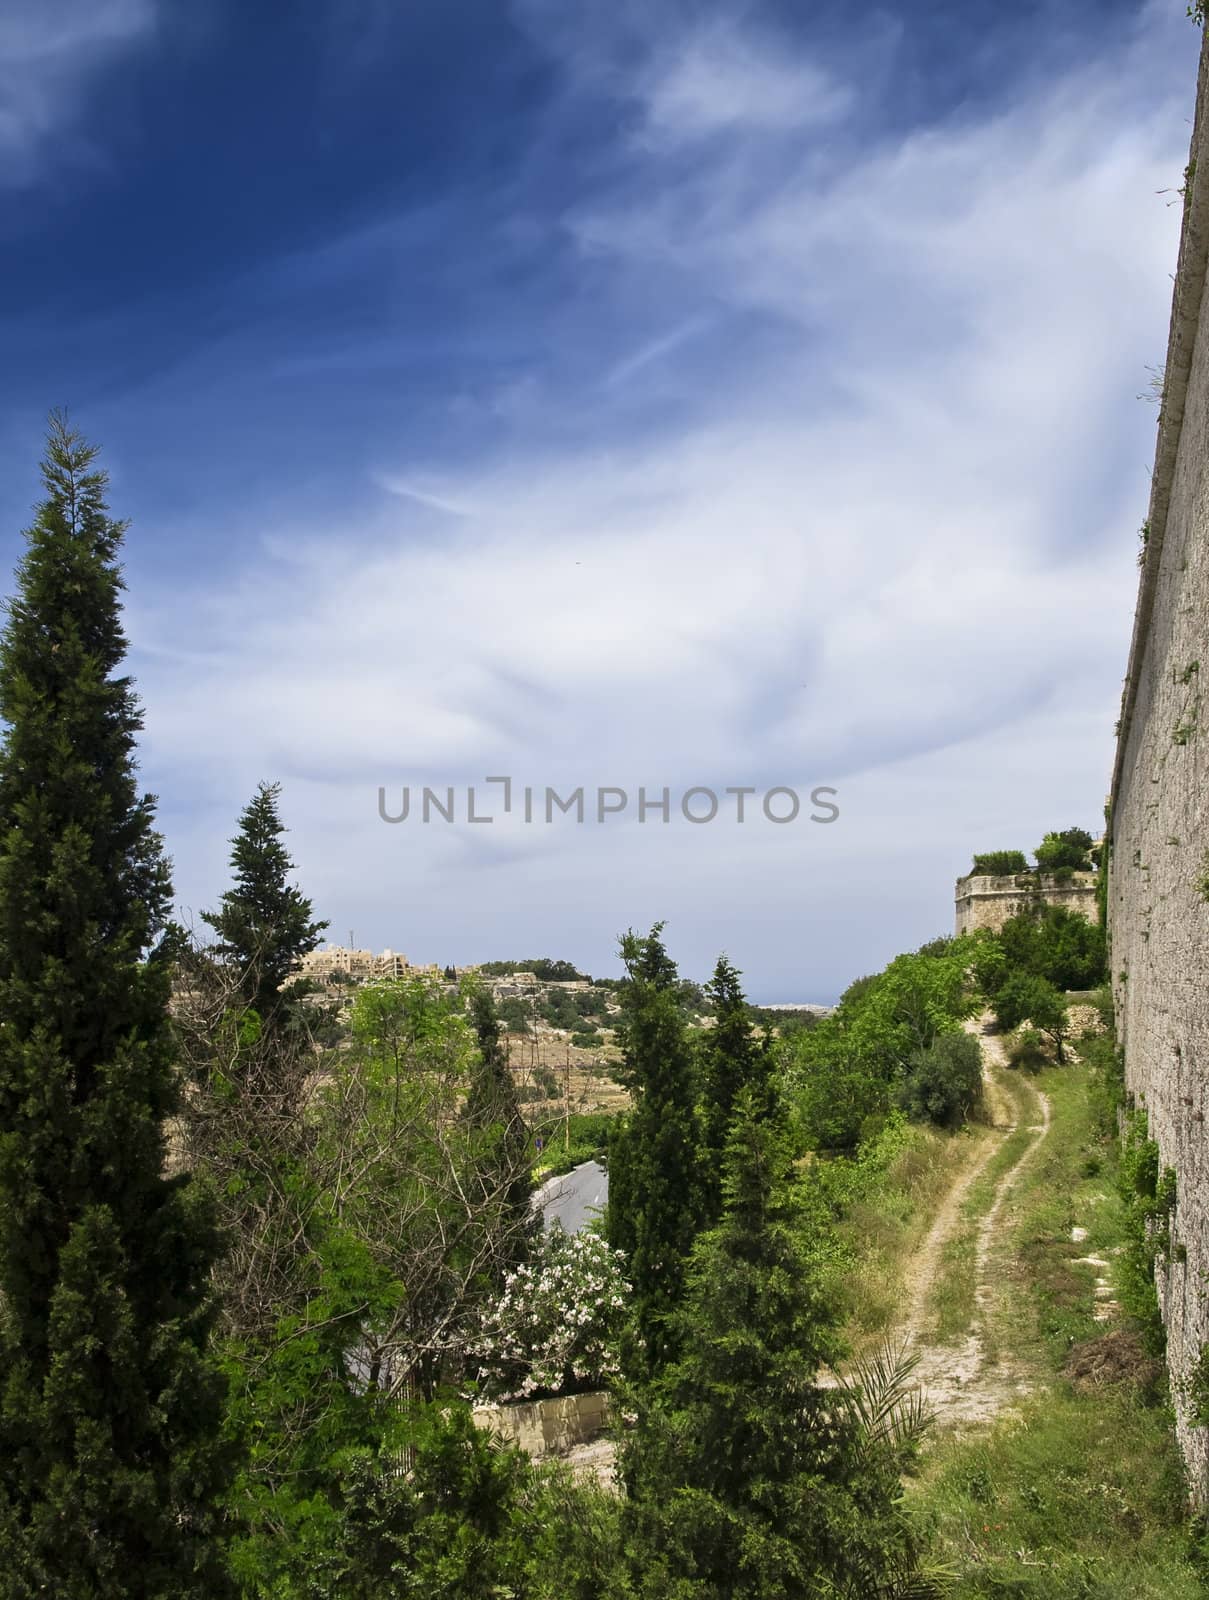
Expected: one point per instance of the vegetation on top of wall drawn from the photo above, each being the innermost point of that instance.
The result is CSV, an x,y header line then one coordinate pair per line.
x,y
999,864
1058,855
1069,849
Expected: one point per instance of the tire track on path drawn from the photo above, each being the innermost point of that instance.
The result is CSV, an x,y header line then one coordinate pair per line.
x,y
960,1382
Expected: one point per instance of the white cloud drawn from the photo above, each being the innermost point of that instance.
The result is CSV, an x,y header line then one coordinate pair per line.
x,y
721,81
889,548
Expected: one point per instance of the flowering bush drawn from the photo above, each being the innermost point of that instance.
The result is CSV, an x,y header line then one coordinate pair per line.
x,y
555,1327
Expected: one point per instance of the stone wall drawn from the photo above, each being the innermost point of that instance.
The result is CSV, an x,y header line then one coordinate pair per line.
x,y
984,902
1159,827
547,1427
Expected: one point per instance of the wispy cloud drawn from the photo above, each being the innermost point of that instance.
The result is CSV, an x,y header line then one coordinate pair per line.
x,y
824,469
49,52
722,81
656,349
432,496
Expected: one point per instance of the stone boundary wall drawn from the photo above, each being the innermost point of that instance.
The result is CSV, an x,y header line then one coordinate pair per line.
x,y
547,1427
985,902
1159,819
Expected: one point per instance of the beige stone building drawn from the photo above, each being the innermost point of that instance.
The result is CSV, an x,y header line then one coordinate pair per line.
x,y
359,966
984,902
319,965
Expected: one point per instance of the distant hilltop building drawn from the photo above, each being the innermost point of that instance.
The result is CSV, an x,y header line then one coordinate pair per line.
x,y
989,902
338,964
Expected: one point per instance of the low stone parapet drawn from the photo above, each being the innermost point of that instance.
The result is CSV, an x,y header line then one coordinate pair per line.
x,y
547,1427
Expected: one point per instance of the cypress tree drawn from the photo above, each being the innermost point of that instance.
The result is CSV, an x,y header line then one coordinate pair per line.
x,y
264,924
500,1138
656,1198
733,1057
109,1406
748,1478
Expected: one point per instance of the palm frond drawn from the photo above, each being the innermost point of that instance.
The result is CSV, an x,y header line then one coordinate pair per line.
x,y
889,1406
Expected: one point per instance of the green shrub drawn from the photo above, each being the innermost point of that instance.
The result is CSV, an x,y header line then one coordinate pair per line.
x,y
1149,1193
1196,1389
1067,849
543,969
1054,943
1202,882
943,1082
999,863
843,1074
515,1014
469,1518
1025,998
1027,1051
555,1328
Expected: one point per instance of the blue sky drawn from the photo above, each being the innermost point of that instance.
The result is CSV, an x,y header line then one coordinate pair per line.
x,y
712,394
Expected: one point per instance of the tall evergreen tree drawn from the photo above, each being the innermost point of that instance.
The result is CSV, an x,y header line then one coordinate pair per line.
x,y
747,1478
733,1057
500,1136
109,1406
656,1198
264,924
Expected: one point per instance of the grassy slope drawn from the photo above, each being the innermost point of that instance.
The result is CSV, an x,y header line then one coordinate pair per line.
x,y
894,1199
1076,1495
952,1301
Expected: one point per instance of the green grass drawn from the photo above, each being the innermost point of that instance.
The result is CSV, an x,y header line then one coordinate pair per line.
x,y
1076,1497
1073,1496
1071,1182
885,1221
952,1301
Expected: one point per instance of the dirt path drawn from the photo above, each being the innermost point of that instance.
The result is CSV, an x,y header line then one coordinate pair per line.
x,y
967,1381
962,1383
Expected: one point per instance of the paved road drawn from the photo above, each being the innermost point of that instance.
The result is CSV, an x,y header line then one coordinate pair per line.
x,y
575,1198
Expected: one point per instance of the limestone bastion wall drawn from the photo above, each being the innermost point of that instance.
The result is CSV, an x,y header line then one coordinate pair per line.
x,y
985,902
1158,892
